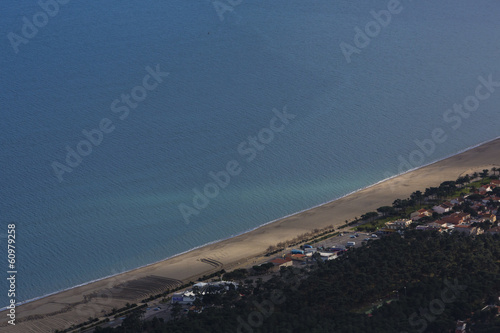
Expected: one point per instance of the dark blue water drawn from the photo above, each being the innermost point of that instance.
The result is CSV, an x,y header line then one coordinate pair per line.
x,y
119,207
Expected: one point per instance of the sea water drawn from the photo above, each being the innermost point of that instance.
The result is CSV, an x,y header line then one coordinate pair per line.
x,y
358,118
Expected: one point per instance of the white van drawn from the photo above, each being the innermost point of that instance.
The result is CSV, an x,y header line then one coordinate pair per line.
x,y
351,244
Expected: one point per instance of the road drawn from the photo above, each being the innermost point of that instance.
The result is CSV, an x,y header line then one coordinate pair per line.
x,y
163,310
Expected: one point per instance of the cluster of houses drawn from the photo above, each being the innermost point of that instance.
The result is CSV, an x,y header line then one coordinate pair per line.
x,y
443,218
451,219
305,255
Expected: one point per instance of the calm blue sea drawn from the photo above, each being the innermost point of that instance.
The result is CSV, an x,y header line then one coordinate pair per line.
x,y
119,207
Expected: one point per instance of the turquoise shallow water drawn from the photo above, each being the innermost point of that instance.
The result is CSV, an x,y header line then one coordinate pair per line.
x,y
119,210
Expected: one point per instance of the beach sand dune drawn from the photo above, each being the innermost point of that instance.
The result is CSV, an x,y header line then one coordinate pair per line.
x,y
95,299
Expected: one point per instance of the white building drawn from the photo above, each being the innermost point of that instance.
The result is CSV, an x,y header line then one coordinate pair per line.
x,y
443,208
183,298
328,255
202,288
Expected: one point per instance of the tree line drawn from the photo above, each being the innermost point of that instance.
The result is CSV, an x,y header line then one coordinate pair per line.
x,y
424,281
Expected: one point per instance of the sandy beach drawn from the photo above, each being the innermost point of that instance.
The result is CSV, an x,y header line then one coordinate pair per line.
x,y
61,310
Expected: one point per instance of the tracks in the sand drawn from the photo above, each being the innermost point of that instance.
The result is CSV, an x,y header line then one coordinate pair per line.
x,y
211,262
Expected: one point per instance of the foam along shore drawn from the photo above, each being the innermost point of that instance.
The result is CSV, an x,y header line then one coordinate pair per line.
x,y
76,305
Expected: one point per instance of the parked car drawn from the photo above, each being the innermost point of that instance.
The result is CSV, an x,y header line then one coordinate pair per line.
x,y
374,236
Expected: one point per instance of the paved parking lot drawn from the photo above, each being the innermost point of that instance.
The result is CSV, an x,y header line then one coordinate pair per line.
x,y
162,310
347,236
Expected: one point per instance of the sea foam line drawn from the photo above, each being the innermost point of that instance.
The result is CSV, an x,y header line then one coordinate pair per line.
x,y
371,185
262,225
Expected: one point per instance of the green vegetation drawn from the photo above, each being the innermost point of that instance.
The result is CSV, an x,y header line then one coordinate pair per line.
x,y
374,225
261,269
206,277
392,285
237,274
402,208
430,279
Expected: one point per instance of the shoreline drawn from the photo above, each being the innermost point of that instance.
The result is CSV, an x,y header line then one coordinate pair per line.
x,y
255,228
77,303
